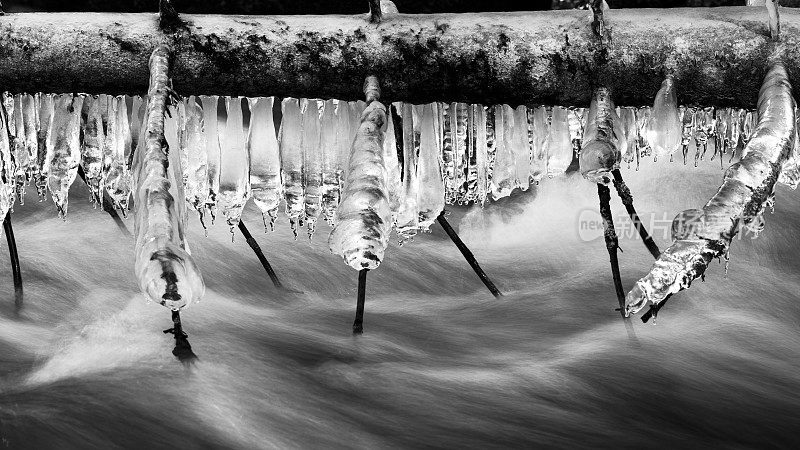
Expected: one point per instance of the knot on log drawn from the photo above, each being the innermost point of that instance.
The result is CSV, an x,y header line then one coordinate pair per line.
x,y
168,19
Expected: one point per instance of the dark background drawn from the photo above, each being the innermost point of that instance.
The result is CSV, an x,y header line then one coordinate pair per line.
x,y
344,6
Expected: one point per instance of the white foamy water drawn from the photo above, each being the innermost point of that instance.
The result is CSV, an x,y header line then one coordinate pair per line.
x,y
84,364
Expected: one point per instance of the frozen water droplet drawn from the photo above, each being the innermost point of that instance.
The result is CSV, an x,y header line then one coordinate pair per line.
x,y
664,127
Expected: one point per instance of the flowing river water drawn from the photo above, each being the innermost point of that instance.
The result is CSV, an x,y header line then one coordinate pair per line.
x,y
84,363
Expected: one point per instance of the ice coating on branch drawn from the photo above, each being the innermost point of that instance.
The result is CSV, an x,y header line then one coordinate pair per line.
x,y
601,139
196,168
6,167
329,142
93,145
481,156
63,150
394,184
291,148
117,178
312,163
430,196
664,127
211,132
790,173
265,161
45,120
503,172
747,187
164,268
363,219
521,148
559,143
408,214
234,172
539,129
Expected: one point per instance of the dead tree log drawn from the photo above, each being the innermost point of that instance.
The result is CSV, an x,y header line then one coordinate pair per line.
x,y
718,56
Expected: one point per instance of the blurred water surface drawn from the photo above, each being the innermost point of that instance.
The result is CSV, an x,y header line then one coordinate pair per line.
x,y
85,364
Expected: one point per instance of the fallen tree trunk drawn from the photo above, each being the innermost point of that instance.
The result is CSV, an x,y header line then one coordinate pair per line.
x,y
718,56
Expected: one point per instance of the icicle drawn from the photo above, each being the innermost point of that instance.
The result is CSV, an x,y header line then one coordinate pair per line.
x,y
600,153
164,267
234,172
19,147
136,114
30,118
430,196
700,134
687,130
344,140
448,154
330,160
576,118
92,150
537,118
63,150
559,143
196,173
211,134
363,219
630,131
312,164
265,162
45,121
291,139
471,184
117,178
522,150
643,146
459,122
748,126
491,146
394,185
734,132
481,158
664,127
721,132
745,188
408,214
6,167
503,172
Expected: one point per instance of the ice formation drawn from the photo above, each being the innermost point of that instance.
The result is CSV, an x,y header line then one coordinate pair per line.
x,y
93,145
117,178
601,140
394,184
195,173
211,133
291,149
559,143
234,172
329,141
164,268
539,131
522,149
747,187
63,150
312,164
664,127
408,214
363,219
265,161
430,198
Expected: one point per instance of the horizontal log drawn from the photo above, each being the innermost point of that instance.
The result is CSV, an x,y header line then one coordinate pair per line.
x,y
718,55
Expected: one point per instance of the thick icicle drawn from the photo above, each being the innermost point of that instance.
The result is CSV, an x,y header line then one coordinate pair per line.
x,y
45,120
164,268
196,172
459,123
537,117
430,196
344,139
448,153
212,134
291,147
559,143
471,167
627,120
363,219
748,185
522,149
408,214
234,172
16,127
503,172
664,127
6,167
481,157
30,118
330,160
394,185
265,160
312,164
63,150
92,149
600,153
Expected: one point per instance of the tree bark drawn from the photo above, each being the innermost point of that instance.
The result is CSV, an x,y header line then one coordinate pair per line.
x,y
718,56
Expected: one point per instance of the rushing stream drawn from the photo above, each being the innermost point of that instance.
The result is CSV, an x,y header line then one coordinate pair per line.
x,y
84,363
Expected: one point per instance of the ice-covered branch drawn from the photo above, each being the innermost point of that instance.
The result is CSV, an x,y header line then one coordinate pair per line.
x,y
717,56
364,219
702,235
164,268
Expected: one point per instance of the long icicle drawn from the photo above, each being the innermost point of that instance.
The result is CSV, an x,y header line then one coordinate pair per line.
x,y
164,267
747,187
